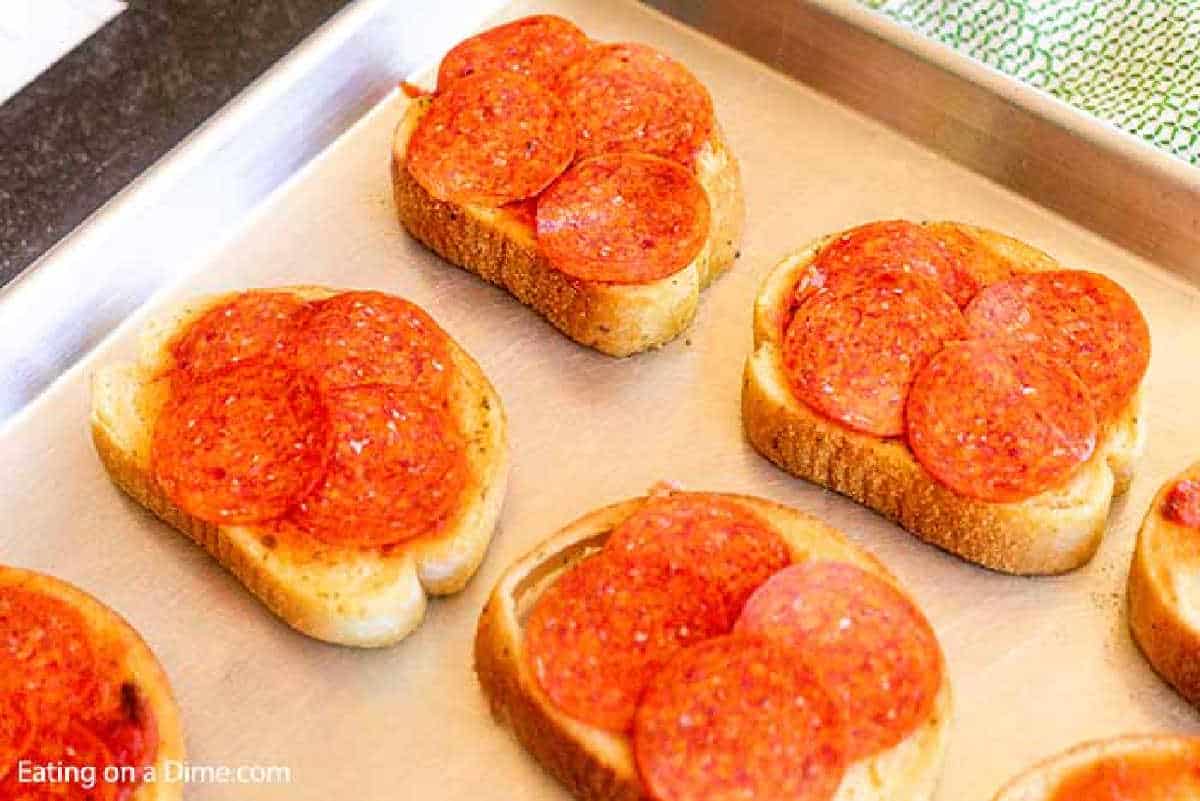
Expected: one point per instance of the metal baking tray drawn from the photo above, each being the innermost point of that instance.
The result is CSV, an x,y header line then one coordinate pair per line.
x,y
1036,664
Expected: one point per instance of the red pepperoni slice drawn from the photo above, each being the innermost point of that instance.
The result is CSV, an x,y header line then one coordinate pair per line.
x,y
360,338
1080,320
851,354
72,751
999,424
242,445
18,723
129,731
630,97
46,649
1134,777
982,264
490,139
399,467
538,47
252,325
1183,503
872,648
723,542
624,218
739,717
603,629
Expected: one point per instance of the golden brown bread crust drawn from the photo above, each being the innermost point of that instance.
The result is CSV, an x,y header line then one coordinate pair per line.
x,y
139,665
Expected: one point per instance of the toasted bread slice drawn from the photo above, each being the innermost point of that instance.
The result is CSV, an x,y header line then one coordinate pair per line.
x,y
598,765
136,664
1043,780
340,594
1053,532
501,247
1164,595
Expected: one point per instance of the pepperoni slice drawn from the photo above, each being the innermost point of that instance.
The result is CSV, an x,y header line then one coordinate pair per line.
x,y
872,648
45,646
1080,320
74,750
242,445
538,47
723,542
624,217
399,467
490,139
851,354
129,730
18,725
1157,777
251,325
1183,503
739,717
999,424
982,264
604,628
360,338
630,97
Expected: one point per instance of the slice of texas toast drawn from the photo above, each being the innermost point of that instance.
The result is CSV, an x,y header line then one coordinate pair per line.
x,y
500,246
136,663
597,765
340,594
1052,532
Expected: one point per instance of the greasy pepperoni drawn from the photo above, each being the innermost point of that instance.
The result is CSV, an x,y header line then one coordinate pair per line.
x,y
1158,777
1183,503
1080,320
872,648
45,646
18,724
982,264
999,424
360,338
623,217
74,748
724,543
630,97
399,468
851,353
605,627
251,325
490,139
538,47
739,717
242,445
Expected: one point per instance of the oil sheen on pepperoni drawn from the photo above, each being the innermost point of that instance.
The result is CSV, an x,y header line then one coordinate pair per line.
x,y
538,47
399,468
999,424
1158,777
360,338
491,139
630,97
251,325
739,717
1080,320
872,648
726,544
243,445
851,353
605,627
1183,503
624,218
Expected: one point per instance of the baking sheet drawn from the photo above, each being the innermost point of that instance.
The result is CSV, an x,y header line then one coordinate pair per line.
x,y
1036,664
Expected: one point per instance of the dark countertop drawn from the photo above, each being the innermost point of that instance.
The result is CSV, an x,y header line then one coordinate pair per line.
x,y
109,109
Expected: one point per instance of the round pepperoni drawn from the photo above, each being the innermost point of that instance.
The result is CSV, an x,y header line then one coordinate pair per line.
x,y
360,338
851,354
18,724
1183,503
251,325
630,97
538,47
399,469
624,217
872,648
983,265
45,646
490,139
723,542
241,446
1080,320
739,717
1145,777
999,424
605,627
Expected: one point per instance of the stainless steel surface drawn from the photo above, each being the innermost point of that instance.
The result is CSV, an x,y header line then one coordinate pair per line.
x,y
1036,664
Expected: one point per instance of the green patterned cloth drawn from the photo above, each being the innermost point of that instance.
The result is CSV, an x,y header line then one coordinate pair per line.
x,y
1134,63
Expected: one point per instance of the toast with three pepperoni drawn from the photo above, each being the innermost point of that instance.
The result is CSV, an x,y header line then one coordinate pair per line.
x,y
80,695
955,380
1164,584
697,646
589,180
337,451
